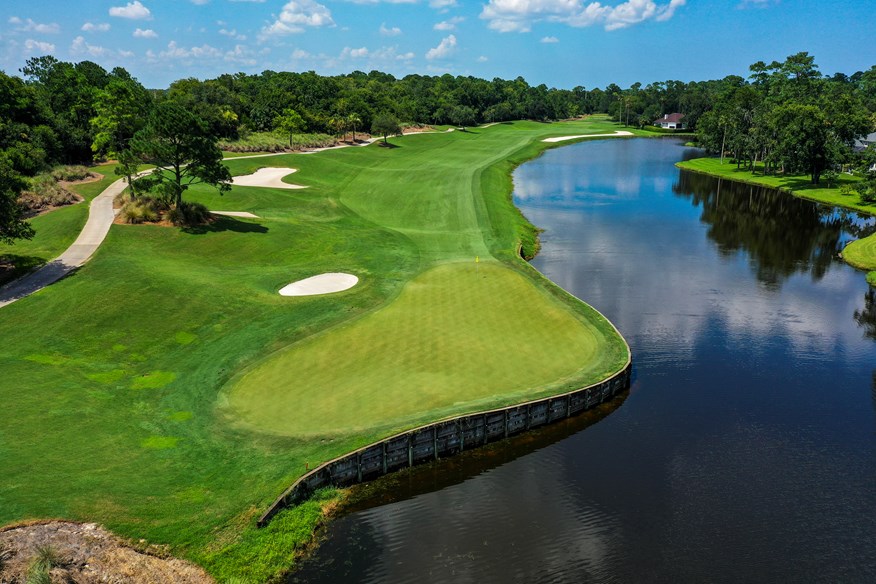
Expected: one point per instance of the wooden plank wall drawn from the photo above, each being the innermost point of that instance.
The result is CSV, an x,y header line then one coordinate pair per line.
x,y
446,438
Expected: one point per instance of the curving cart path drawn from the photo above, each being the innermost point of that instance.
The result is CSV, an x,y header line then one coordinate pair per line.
x,y
100,218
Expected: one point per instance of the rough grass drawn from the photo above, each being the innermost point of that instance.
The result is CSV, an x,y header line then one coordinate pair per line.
x,y
860,254
117,374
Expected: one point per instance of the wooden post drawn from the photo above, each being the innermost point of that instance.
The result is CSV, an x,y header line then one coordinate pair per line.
x,y
384,458
359,466
435,440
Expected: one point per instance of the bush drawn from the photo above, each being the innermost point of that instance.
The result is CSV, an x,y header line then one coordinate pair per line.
x,y
45,192
141,210
71,173
189,214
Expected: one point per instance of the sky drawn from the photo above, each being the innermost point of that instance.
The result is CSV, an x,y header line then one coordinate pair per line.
x,y
561,43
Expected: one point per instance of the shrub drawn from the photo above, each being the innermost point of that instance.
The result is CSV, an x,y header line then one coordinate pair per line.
x,y
45,192
71,173
143,209
188,214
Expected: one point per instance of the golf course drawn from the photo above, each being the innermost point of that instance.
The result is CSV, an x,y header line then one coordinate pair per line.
x,y
167,391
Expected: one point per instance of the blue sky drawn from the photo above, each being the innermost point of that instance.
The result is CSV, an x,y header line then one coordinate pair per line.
x,y
562,43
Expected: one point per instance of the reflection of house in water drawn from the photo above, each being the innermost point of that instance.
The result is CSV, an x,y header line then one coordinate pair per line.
x,y
671,122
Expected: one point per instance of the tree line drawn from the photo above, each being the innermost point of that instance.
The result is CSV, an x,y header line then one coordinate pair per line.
x,y
787,116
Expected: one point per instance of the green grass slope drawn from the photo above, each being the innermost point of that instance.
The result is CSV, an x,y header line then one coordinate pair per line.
x,y
126,381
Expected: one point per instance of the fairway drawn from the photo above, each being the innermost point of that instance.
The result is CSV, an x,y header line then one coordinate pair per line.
x,y
168,391
459,337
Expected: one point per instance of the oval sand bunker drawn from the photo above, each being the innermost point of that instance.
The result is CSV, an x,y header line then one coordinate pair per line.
x,y
320,284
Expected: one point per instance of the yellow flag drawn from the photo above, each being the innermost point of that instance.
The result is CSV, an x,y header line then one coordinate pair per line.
x,y
477,259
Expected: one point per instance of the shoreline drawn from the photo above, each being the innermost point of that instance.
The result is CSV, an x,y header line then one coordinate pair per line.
x,y
863,255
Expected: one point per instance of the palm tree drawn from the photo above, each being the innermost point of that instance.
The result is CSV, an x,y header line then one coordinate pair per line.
x,y
353,120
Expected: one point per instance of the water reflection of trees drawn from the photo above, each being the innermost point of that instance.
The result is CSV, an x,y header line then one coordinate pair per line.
x,y
782,234
866,318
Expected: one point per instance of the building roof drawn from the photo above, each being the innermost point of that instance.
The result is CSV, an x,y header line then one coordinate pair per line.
x,y
864,141
669,119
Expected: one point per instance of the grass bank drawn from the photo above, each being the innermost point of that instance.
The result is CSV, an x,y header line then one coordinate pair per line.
x,y
128,379
860,254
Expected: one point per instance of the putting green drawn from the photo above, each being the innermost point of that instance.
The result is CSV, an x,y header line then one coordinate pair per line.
x,y
460,335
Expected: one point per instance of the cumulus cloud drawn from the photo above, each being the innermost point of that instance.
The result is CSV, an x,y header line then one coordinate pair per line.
x,y
449,24
482,59
444,49
549,39
96,27
241,55
200,2
519,15
81,47
394,31
298,14
29,25
32,46
442,4
354,53
133,10
145,34
232,33
174,51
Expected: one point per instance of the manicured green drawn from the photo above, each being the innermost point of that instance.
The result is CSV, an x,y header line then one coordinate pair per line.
x,y
860,254
460,335
121,380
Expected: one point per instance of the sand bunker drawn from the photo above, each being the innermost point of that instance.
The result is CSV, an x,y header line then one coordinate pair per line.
x,y
267,177
321,284
245,214
564,138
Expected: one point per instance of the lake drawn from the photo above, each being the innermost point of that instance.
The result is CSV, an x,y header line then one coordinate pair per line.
x,y
745,450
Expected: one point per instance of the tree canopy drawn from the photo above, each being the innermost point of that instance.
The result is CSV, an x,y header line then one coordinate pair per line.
x,y
178,143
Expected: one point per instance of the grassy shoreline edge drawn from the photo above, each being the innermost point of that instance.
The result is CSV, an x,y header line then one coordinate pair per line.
x,y
860,254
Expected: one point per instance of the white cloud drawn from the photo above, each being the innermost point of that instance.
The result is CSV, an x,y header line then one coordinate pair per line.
x,y
444,48
300,54
96,27
438,4
519,15
296,15
482,59
29,25
549,39
391,54
386,1
241,55
174,51
32,46
394,31
145,34
233,34
354,53
449,24
133,10
81,47
200,2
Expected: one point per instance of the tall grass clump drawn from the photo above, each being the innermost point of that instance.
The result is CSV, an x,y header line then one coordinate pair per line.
x,y
140,210
71,173
187,214
44,192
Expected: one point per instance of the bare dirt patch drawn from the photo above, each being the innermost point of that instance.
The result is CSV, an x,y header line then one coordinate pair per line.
x,y
86,553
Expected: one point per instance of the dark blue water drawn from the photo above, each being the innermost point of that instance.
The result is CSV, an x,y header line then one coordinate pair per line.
x,y
746,449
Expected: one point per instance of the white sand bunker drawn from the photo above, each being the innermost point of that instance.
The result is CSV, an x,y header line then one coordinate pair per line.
x,y
267,177
564,138
321,284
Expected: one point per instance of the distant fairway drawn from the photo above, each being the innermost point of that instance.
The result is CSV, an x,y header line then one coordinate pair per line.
x,y
459,337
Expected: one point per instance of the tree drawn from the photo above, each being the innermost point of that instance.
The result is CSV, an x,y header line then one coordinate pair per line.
x,y
12,226
385,125
177,143
289,122
119,109
463,116
354,120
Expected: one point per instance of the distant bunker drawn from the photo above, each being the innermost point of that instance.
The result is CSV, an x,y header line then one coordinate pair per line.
x,y
320,284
